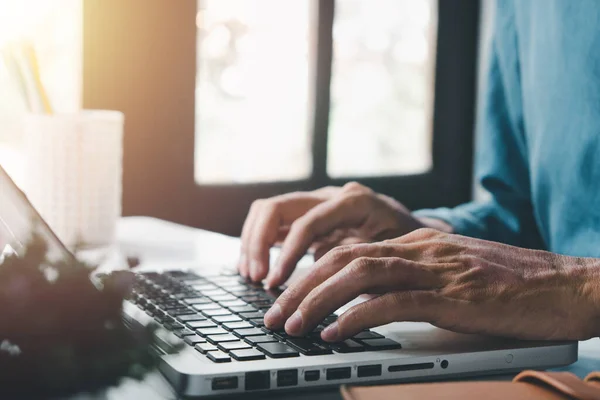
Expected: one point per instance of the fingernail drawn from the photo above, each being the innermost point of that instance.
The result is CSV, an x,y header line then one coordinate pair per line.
x,y
294,323
330,333
273,316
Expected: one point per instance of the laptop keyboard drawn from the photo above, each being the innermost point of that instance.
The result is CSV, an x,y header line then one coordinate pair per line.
x,y
222,318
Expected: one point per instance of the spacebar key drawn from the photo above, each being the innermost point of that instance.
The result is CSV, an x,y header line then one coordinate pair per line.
x,y
307,347
277,350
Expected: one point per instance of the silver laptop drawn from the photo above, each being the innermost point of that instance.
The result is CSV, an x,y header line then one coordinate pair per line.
x,y
227,349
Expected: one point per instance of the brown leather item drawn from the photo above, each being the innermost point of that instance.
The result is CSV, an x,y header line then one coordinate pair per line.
x,y
530,385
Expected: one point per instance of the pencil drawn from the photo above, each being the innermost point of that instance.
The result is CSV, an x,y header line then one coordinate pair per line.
x,y
35,71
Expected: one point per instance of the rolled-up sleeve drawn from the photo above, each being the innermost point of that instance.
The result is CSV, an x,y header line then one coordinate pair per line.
x,y
501,155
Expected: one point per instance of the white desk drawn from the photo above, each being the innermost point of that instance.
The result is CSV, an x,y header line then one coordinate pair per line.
x,y
160,243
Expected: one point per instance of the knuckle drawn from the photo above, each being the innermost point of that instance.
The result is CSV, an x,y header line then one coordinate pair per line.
x,y
340,252
472,262
354,186
301,227
361,268
271,206
426,232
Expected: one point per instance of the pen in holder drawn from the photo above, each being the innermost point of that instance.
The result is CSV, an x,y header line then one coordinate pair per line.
x,y
74,173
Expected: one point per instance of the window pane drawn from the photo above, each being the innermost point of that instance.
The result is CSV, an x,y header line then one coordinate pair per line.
x,y
382,87
252,91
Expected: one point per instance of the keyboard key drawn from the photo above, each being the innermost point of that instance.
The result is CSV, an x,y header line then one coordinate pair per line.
x,y
206,306
192,317
173,326
277,350
183,333
216,312
211,331
257,322
367,335
262,303
279,335
236,325
381,344
218,356
248,332
251,298
226,318
193,340
254,340
247,355
223,279
348,346
214,339
242,309
200,324
227,346
307,347
204,287
205,347
234,303
239,291
187,311
215,292
224,297
198,300
251,315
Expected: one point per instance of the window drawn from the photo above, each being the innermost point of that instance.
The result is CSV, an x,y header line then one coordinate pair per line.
x,y
53,28
382,87
227,101
253,86
252,90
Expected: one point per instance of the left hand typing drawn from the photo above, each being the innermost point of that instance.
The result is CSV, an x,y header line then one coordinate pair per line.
x,y
453,282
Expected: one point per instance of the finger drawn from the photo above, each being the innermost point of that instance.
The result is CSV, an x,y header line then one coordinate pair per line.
x,y
342,212
373,275
414,306
328,265
271,215
242,266
323,248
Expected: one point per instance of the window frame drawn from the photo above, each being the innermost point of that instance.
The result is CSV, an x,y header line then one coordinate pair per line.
x,y
132,65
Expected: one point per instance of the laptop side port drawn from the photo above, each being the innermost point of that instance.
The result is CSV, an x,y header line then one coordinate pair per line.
x,y
312,375
260,380
338,373
225,383
410,367
287,377
364,371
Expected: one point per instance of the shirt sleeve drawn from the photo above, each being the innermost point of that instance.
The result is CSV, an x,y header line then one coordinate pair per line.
x,y
501,154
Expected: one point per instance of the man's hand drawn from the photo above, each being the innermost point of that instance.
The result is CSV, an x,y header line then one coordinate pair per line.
x,y
323,218
454,282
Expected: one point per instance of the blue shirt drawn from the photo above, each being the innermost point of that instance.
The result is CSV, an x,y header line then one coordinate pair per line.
x,y
538,153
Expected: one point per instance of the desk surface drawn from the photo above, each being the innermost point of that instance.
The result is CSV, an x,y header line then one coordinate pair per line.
x,y
158,243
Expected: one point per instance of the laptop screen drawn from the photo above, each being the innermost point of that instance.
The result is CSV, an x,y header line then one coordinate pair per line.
x,y
19,221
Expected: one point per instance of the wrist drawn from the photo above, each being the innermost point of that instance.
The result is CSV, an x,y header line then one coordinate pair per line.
x,y
584,273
